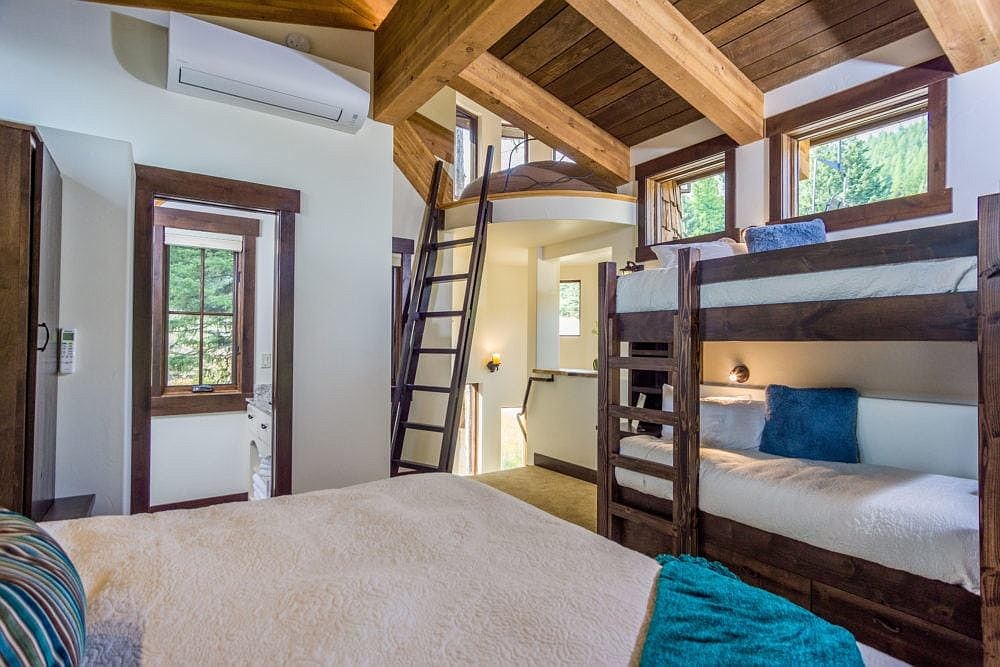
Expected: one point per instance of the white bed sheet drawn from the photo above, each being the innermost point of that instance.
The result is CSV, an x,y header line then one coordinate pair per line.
x,y
656,289
420,570
920,523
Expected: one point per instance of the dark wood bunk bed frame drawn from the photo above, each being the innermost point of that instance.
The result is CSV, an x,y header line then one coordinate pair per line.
x,y
919,620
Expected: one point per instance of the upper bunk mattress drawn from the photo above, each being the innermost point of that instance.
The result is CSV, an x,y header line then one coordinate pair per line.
x,y
924,524
656,289
417,570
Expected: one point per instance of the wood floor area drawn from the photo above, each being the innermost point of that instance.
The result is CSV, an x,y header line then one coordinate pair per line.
x,y
566,497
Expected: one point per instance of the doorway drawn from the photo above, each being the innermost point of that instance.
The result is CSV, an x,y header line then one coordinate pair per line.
x,y
212,340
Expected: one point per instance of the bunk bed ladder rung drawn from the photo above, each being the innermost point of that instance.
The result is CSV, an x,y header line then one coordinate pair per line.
x,y
644,466
659,524
647,363
661,417
419,309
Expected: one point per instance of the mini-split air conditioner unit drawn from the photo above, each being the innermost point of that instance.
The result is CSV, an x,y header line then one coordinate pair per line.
x,y
215,63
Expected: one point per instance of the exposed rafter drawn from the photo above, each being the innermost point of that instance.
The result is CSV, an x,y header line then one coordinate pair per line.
x,y
416,160
423,44
508,93
671,47
438,138
967,30
353,14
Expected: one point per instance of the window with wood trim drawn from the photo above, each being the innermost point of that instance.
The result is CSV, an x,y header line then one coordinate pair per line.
x,y
203,303
688,195
569,307
872,154
466,149
513,146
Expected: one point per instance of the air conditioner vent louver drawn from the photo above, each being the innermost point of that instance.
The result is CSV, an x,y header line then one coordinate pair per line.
x,y
219,64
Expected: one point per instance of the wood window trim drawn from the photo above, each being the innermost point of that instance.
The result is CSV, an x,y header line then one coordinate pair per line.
x,y
579,284
523,139
932,75
473,121
676,160
157,182
166,400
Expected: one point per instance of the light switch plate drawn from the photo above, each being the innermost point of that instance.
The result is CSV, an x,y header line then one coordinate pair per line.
x,y
265,360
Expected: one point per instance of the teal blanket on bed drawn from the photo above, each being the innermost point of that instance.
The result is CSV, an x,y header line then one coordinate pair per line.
x,y
704,615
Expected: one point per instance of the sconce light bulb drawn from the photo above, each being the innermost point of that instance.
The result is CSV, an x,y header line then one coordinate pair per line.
x,y
740,374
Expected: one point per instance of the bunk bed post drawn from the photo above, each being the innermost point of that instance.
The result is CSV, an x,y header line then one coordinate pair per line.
x,y
608,389
989,424
687,397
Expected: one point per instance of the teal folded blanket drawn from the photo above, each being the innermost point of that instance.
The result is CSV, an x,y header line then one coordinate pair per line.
x,y
704,615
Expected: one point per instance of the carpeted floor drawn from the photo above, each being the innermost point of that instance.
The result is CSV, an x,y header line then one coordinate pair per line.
x,y
566,497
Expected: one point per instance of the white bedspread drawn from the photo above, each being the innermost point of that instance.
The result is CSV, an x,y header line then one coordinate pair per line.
x,y
916,522
424,569
656,289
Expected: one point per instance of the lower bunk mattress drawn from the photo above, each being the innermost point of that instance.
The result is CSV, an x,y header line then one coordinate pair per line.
x,y
656,289
924,524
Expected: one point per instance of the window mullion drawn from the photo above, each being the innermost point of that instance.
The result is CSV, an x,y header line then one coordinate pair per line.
x,y
201,327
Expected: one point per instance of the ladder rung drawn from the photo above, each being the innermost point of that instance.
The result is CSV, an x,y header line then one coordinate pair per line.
x,y
442,313
440,245
436,350
417,426
429,388
455,277
661,417
644,363
658,524
643,466
413,465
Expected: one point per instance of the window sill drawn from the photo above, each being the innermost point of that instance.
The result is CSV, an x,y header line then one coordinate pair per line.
x,y
193,404
882,212
644,253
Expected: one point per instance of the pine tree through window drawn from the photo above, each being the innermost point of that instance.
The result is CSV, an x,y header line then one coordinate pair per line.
x,y
201,311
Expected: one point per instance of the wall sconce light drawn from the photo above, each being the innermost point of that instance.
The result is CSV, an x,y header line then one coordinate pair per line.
x,y
740,374
493,363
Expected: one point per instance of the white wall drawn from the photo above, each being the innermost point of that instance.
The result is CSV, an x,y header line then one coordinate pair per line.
x,y
502,327
198,456
60,65
580,351
95,297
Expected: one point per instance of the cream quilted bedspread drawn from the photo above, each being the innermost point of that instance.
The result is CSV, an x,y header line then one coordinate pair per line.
x,y
420,570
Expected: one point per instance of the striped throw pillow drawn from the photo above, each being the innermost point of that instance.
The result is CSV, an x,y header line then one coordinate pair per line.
x,y
42,601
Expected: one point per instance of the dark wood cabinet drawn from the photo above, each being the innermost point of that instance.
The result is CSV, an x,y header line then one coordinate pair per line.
x,y
30,233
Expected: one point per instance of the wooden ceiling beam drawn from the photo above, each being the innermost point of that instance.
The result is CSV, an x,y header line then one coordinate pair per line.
x,y
351,14
416,160
678,53
967,30
506,92
438,138
423,44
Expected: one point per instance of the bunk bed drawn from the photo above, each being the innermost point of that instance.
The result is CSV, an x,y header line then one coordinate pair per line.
x,y
648,489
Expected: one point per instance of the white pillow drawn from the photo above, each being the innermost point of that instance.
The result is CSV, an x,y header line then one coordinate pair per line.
x,y
724,247
727,422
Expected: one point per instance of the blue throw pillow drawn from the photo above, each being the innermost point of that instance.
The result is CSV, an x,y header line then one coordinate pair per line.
x,y
791,235
42,601
817,424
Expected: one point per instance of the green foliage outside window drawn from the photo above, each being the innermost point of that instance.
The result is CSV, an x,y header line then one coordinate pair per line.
x,y
872,166
201,297
703,205
569,308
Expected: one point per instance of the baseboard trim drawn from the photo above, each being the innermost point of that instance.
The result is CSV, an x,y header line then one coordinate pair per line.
x,y
566,468
199,502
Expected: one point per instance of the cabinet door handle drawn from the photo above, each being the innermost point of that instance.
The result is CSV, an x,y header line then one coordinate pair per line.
x,y
888,627
45,326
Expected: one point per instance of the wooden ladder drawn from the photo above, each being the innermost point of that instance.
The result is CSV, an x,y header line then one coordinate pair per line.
x,y
418,312
684,368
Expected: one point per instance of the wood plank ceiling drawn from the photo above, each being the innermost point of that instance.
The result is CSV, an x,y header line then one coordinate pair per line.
x,y
773,42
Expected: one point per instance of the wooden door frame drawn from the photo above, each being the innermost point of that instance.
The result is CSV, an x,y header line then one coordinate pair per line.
x,y
283,203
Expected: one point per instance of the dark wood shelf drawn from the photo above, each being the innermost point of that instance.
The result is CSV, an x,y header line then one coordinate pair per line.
x,y
71,507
